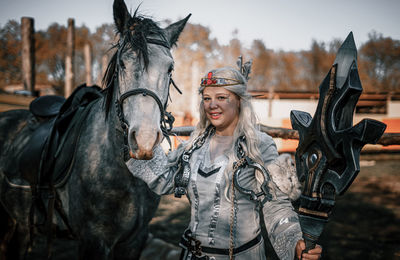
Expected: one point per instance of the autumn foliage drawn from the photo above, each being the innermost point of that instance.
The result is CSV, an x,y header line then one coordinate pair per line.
x,y
379,59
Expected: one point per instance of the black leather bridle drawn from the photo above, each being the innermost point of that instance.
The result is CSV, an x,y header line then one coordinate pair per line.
x,y
166,118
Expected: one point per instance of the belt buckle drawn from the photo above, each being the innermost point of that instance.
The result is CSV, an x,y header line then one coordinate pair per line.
x,y
195,246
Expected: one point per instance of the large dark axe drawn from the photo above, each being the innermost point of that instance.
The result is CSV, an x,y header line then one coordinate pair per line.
x,y
328,155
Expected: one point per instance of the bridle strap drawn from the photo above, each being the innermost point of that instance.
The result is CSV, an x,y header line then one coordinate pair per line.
x,y
145,92
166,118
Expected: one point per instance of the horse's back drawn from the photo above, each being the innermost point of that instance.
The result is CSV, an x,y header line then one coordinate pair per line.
x,y
11,123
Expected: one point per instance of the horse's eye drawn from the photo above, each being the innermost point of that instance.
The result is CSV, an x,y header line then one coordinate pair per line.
x,y
170,69
122,64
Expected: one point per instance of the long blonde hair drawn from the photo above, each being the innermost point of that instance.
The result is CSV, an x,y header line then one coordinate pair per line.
x,y
246,125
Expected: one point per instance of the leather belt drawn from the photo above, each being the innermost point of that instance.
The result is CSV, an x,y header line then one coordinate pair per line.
x,y
193,245
225,251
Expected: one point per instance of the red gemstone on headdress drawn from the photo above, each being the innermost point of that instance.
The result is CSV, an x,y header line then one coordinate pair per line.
x,y
209,76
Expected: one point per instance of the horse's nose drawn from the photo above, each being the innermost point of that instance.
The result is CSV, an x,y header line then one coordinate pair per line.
x,y
142,143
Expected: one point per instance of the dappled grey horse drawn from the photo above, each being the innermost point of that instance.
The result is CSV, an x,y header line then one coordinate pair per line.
x,y
94,196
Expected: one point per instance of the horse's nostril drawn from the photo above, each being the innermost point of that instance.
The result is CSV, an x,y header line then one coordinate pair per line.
x,y
133,141
142,142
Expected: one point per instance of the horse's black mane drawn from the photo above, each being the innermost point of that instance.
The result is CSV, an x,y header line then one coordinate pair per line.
x,y
134,36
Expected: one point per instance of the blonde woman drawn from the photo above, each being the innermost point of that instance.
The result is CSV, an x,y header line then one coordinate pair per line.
x,y
225,211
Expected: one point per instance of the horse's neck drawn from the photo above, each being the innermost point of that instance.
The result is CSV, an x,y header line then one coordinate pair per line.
x,y
109,120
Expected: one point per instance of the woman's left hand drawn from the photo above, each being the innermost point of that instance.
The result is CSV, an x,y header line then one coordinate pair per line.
x,y
312,254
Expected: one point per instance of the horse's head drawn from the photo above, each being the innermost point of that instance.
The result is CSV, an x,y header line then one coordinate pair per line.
x,y
139,75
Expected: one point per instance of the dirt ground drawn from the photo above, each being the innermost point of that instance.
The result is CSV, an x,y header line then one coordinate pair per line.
x,y
365,223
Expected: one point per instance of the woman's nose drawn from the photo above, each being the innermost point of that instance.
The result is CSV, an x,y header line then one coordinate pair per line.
x,y
213,104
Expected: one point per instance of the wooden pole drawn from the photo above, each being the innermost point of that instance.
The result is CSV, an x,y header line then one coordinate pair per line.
x,y
270,100
88,64
69,59
28,54
104,64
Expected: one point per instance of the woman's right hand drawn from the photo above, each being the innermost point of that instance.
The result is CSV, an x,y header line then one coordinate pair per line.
x,y
312,254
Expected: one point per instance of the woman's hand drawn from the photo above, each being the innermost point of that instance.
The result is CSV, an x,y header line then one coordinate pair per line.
x,y
312,254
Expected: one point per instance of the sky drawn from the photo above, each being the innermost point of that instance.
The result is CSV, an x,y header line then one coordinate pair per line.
x,y
287,25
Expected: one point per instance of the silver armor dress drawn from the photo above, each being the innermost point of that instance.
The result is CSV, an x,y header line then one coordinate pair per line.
x,y
211,205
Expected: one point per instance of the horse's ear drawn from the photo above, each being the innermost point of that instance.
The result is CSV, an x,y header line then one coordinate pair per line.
x,y
121,15
174,30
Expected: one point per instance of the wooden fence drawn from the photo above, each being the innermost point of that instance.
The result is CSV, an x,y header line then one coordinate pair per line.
x,y
8,102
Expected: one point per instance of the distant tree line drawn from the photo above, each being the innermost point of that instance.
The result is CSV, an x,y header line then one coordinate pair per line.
x,y
379,58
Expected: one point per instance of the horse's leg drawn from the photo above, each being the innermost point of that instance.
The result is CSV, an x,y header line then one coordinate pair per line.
x,y
17,203
94,248
22,240
6,234
132,247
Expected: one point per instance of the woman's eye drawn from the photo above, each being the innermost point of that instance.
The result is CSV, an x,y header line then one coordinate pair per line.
x,y
206,99
221,98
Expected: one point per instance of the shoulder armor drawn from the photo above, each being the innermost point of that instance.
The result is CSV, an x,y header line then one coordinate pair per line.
x,y
283,174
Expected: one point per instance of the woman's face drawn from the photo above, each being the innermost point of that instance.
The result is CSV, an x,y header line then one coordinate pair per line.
x,y
222,109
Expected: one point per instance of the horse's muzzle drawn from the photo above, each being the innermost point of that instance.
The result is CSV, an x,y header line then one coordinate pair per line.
x,y
142,144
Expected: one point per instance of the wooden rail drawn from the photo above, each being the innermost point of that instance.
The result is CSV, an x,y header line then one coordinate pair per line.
x,y
8,102
315,95
6,107
285,133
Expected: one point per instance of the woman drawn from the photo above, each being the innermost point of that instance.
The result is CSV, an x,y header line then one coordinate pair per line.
x,y
225,211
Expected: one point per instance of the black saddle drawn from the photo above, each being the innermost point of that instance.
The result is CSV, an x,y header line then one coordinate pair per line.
x,y
46,106
59,120
45,109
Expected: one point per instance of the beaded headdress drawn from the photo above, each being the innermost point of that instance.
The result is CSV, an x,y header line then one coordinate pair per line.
x,y
212,81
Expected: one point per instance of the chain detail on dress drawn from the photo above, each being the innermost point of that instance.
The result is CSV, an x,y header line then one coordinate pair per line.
x,y
233,222
244,161
233,218
183,175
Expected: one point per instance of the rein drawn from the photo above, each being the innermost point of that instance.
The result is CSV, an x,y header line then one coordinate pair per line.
x,y
244,161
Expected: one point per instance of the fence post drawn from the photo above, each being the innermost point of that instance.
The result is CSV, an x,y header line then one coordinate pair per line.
x,y
104,64
270,100
28,54
69,59
88,64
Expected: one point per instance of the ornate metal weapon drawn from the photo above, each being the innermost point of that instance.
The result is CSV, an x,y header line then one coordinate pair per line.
x,y
328,155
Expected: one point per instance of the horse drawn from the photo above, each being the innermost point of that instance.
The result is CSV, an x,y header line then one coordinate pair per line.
x,y
101,205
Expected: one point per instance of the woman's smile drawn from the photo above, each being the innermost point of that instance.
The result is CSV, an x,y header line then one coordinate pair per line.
x,y
215,115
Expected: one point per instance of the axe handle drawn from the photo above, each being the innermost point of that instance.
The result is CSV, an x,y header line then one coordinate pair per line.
x,y
310,244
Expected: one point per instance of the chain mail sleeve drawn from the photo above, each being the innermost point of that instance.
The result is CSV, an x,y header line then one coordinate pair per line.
x,y
280,219
158,172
